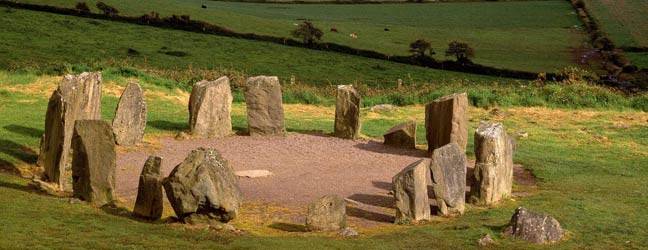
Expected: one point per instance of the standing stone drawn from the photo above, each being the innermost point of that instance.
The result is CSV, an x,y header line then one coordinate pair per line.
x,y
402,135
347,112
448,168
76,98
264,106
210,106
410,192
94,161
446,121
493,176
130,116
326,213
203,188
534,227
149,193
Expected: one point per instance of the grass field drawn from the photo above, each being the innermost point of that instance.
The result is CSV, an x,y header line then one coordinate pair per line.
x,y
530,35
626,21
590,163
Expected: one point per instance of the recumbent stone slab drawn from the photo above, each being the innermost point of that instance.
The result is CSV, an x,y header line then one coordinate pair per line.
x,y
402,135
130,116
326,213
149,192
448,170
493,175
446,120
264,106
410,192
534,227
210,107
347,112
94,161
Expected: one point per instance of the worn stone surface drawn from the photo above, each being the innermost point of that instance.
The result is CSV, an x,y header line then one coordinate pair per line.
x,y
76,98
448,170
94,162
534,227
493,175
326,213
410,192
446,120
130,116
210,107
149,192
203,187
348,232
264,106
347,112
402,135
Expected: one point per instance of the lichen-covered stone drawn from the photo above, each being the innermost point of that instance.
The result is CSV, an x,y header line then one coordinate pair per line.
x,y
326,213
347,112
448,169
130,116
210,107
149,192
402,135
534,227
493,175
410,192
446,121
264,106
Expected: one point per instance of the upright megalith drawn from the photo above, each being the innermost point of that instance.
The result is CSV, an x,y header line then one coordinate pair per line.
x,y
446,121
76,98
264,106
203,188
130,116
347,112
448,169
493,176
402,135
534,227
94,161
210,106
326,213
410,192
148,204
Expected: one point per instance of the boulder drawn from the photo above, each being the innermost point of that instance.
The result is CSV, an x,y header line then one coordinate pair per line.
x,y
534,227
94,162
148,204
410,192
264,106
446,121
448,170
326,213
76,98
210,106
347,112
203,188
402,135
130,116
348,232
493,174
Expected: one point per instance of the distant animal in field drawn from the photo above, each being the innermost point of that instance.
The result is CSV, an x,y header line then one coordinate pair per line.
x,y
386,29
204,6
353,36
334,30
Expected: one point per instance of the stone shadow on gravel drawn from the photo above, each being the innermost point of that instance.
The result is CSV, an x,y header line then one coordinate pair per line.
x,y
378,147
387,186
374,200
27,131
368,215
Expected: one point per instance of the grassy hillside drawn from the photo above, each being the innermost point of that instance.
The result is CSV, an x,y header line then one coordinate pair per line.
x,y
529,35
624,20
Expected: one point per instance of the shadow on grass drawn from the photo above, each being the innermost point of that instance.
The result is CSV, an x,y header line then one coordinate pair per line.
x,y
288,227
18,151
368,215
378,147
118,211
168,126
26,131
19,187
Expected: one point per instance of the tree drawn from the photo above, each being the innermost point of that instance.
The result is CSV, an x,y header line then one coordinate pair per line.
x,y
419,47
107,9
462,51
82,7
308,33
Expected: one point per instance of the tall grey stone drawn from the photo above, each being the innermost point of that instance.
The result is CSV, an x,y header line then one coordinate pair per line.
x,y
130,116
203,188
446,121
448,170
94,161
347,112
210,106
493,175
402,135
149,192
264,106
76,98
534,227
326,213
410,192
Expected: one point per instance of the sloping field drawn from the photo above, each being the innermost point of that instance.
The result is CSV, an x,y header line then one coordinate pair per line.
x,y
529,35
626,21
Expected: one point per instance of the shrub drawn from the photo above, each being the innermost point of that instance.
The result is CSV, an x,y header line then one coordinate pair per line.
x,y
419,47
308,33
462,51
107,9
82,7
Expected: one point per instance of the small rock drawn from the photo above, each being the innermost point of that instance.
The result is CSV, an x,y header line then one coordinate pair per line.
x,y
382,107
74,201
486,240
534,227
181,136
522,134
348,232
49,188
253,173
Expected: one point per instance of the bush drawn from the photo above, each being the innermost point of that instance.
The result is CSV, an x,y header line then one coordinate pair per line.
x,y
82,7
107,9
308,33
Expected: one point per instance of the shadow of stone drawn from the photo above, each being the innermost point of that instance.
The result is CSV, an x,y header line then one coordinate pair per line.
x,y
241,131
27,131
168,126
288,227
15,186
116,210
320,133
18,151
374,200
382,185
378,147
368,215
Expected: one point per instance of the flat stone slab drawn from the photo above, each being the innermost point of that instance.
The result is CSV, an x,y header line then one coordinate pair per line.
x,y
253,173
